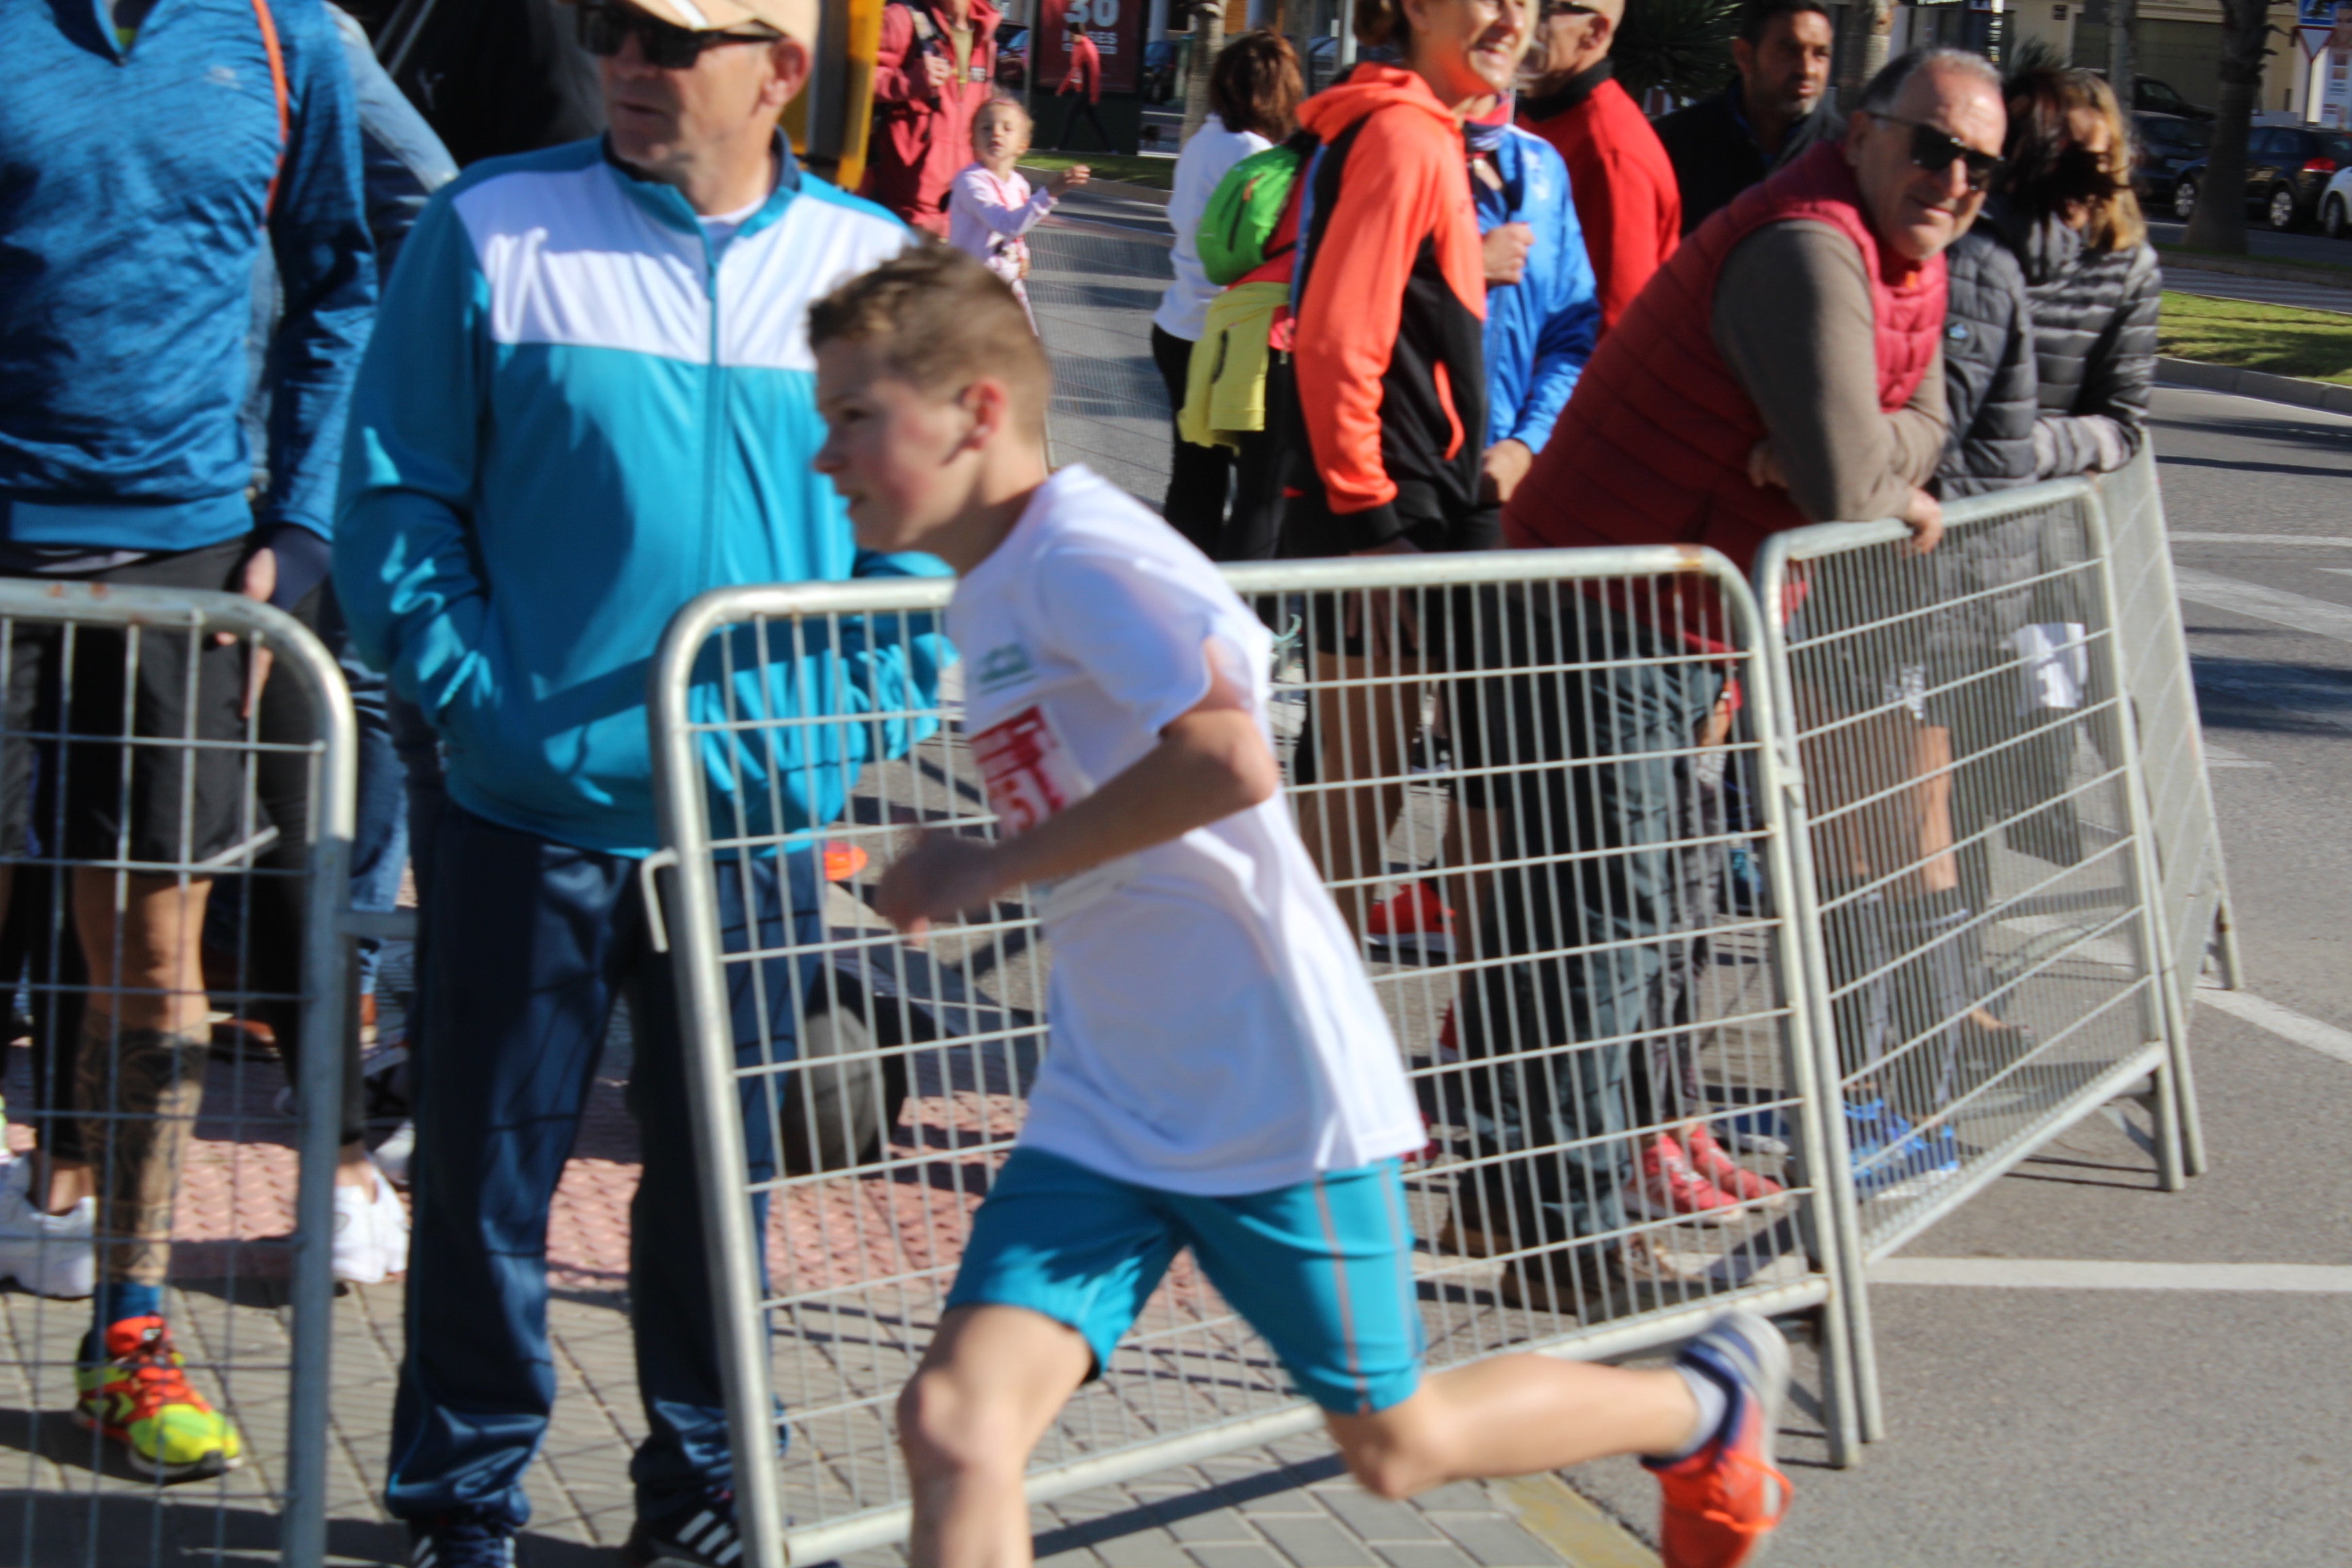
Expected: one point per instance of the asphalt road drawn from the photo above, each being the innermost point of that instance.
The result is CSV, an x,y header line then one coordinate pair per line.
x,y
2156,1426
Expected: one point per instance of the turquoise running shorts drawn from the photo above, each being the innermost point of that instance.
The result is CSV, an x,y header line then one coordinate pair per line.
x,y
1323,1270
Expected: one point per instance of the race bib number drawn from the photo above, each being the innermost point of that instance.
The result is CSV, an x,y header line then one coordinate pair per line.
x,y
1030,775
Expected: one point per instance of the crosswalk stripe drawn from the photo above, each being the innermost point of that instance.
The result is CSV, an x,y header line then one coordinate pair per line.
x,y
2296,612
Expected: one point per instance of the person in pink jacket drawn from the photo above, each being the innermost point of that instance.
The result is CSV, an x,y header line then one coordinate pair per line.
x,y
933,71
991,207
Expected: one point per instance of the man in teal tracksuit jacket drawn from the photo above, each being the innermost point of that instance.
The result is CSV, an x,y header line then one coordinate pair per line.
x,y
590,398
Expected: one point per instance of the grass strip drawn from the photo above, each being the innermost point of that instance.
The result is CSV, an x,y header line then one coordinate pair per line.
x,y
1160,174
2313,344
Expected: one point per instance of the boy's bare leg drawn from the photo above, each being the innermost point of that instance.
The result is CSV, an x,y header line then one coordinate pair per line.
x,y
1514,1415
992,1382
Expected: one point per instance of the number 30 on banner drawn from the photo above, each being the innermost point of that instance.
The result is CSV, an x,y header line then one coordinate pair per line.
x,y
1096,15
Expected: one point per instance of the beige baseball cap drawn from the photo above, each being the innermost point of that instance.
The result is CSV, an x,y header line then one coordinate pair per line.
x,y
793,18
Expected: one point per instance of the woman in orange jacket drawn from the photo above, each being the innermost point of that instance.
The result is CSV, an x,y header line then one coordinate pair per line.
x,y
1389,389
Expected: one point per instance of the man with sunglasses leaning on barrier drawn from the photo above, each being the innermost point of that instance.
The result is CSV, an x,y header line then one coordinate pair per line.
x,y
1783,367
590,397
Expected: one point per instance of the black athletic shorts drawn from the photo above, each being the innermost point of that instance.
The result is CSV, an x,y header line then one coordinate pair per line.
x,y
178,806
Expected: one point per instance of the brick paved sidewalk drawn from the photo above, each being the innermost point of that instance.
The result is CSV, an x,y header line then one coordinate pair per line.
x,y
64,1501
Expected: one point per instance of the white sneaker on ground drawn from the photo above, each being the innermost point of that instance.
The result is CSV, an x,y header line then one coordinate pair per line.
x,y
371,1240
49,1254
393,1155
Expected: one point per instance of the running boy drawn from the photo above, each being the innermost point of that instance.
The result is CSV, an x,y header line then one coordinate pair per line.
x,y
1221,1076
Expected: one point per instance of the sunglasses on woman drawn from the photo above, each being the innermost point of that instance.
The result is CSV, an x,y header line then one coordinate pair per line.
x,y
605,25
1935,152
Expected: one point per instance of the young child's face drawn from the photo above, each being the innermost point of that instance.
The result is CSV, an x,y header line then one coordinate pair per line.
x,y
1003,135
890,447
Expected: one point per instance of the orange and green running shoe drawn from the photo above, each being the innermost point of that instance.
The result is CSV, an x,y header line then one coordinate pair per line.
x,y
140,1397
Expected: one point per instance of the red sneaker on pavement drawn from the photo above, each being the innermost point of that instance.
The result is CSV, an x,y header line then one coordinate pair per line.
x,y
1709,1160
1413,912
1668,1188
1721,1502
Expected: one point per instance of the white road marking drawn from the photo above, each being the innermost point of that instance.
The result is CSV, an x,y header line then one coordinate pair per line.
x,y
2296,612
2225,757
2284,1022
2082,1274
2184,536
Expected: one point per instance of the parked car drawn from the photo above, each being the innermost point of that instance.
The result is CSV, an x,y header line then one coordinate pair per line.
x,y
2288,167
2151,96
2336,205
2157,97
2166,145
1012,54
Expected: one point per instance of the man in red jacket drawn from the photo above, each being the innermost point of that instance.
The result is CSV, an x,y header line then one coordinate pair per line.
x,y
934,70
1085,78
1783,367
1626,200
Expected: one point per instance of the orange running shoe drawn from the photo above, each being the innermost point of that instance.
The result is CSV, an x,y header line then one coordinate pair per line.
x,y
1723,1501
139,1397
1413,913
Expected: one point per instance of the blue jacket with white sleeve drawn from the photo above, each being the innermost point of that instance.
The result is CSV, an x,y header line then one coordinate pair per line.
x,y
579,411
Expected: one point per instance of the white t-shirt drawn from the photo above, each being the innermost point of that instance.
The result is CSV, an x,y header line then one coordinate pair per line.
x,y
1212,1030
1185,309
721,227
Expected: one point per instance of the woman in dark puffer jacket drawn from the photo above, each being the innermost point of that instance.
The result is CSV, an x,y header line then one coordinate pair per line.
x,y
2065,209
2050,350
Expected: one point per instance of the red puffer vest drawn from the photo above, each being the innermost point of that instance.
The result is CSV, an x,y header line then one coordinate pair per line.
x,y
1653,446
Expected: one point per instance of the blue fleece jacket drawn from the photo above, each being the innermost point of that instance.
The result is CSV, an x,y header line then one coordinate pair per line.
x,y
575,416
133,200
1541,330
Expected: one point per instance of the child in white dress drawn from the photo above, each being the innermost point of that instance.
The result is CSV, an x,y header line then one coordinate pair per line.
x,y
991,207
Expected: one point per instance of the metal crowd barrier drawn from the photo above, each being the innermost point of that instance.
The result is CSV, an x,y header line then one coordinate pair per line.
x,y
1616,966
248,1286
1977,871
2153,652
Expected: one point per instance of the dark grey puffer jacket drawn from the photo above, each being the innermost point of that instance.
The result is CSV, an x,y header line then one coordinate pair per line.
x,y
1990,389
1991,379
2095,337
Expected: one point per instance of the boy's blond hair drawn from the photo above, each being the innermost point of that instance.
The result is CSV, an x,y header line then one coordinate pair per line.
x,y
941,321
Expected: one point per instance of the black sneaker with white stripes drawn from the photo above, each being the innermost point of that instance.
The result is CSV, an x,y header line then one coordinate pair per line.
x,y
699,1535
460,1543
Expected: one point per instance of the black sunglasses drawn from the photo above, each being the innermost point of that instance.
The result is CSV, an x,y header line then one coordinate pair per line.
x,y
604,26
1935,150
1551,8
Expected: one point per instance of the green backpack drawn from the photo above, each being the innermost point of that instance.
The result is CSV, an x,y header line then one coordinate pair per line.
x,y
1246,207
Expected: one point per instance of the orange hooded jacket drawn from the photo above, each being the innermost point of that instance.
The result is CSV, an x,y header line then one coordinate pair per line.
x,y
1388,368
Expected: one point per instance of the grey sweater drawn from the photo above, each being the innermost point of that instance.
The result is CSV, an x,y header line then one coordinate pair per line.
x,y
1793,319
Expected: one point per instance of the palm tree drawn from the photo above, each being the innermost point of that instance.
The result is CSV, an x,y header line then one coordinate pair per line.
x,y
1207,38
2220,221
1683,45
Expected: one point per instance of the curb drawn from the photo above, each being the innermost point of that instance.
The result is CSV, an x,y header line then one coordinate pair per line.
x,y
1572,1525
2327,396
2329,277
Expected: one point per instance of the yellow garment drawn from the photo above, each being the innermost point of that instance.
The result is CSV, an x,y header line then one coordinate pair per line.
x,y
1224,385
